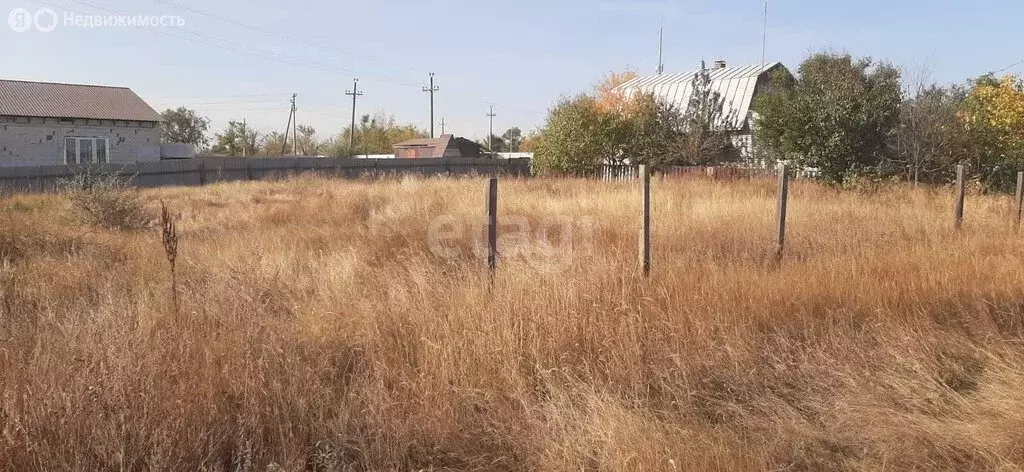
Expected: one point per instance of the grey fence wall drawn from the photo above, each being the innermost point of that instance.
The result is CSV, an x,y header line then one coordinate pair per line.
x,y
206,170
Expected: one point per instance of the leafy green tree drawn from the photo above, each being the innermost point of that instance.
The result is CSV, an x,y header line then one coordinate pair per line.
x,y
577,137
374,134
182,125
230,141
838,116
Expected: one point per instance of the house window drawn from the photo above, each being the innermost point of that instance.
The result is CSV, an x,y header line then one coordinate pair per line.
x,y
86,150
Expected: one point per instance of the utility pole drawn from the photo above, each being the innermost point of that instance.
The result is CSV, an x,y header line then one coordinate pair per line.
x,y
764,35
442,125
354,93
295,122
490,133
661,46
431,90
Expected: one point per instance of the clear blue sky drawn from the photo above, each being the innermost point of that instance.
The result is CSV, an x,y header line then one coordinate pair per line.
x,y
520,56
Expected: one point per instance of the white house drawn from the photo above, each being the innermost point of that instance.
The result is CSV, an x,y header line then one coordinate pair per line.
x,y
44,123
738,87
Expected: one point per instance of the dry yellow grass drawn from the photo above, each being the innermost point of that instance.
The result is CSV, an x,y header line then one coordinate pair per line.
x,y
319,332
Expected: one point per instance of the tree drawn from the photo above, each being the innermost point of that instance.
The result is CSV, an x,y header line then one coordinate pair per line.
x,y
374,134
307,143
512,138
230,142
704,138
576,138
838,116
993,115
930,138
529,143
609,96
182,125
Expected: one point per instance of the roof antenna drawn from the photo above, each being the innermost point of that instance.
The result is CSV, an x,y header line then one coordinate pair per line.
x,y
764,35
661,46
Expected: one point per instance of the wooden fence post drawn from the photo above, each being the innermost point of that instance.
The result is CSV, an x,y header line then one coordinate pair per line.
x,y
492,224
1020,196
783,195
645,237
960,169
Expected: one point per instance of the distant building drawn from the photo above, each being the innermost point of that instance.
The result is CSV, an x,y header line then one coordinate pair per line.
x,y
445,146
738,87
44,123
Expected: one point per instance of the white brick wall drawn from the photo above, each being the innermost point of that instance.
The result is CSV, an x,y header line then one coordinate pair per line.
x,y
40,141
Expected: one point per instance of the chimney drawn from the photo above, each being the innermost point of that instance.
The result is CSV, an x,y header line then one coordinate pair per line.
x,y
719,64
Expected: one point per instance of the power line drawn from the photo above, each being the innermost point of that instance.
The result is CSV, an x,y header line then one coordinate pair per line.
x,y
1011,66
272,33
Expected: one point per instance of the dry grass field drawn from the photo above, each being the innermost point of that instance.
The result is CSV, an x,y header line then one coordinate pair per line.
x,y
340,325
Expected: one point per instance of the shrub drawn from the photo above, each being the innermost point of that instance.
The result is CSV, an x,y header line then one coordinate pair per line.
x,y
104,199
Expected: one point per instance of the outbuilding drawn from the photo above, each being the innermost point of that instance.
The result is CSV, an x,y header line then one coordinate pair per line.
x,y
445,146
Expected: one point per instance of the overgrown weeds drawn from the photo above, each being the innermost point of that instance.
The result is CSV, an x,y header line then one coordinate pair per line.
x,y
324,333
105,199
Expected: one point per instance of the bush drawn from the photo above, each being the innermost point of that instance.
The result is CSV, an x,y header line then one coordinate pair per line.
x,y
106,200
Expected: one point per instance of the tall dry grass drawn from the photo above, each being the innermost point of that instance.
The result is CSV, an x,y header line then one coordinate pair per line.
x,y
318,331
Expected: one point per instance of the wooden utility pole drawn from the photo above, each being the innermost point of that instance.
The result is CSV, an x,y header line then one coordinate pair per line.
x,y
960,191
354,93
1020,197
492,224
431,90
645,235
783,195
490,133
243,137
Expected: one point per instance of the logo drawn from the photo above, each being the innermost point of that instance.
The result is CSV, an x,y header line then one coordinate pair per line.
x,y
20,20
45,20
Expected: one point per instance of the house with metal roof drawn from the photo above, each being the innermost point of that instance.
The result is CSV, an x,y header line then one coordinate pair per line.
x,y
737,87
43,123
445,146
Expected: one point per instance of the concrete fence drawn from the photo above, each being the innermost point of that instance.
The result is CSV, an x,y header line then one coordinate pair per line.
x,y
206,170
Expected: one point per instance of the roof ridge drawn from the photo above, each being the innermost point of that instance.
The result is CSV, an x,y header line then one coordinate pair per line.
x,y
64,83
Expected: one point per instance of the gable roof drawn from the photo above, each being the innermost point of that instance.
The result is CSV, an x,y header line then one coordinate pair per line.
x,y
52,100
735,85
440,145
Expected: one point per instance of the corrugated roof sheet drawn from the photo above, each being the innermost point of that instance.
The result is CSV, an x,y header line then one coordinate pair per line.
x,y
52,100
735,85
439,145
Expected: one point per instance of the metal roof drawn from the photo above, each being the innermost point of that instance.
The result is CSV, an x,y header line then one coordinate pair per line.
x,y
439,145
53,100
735,85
